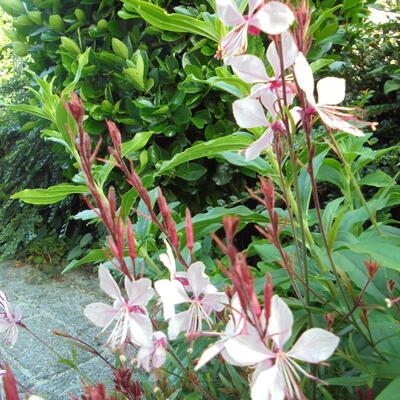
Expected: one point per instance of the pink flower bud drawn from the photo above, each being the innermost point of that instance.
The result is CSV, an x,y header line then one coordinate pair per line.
x,y
169,222
189,231
115,136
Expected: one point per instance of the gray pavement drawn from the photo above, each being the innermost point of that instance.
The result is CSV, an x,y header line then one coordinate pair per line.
x,y
52,304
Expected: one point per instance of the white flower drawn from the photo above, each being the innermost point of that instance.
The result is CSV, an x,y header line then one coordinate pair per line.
x,y
276,370
132,320
331,91
203,301
152,353
272,18
10,319
233,328
249,113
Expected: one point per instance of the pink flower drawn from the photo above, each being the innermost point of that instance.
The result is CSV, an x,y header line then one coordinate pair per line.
x,y
132,320
272,18
276,370
10,319
203,301
331,91
152,353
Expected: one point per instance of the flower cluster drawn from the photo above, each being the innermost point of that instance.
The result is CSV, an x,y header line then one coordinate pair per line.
x,y
272,97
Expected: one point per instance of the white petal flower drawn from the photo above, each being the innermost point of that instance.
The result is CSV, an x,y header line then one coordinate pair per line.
x,y
132,320
10,319
153,354
203,300
272,18
276,374
331,91
233,328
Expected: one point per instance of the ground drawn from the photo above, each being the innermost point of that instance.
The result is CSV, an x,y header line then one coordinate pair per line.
x,y
49,305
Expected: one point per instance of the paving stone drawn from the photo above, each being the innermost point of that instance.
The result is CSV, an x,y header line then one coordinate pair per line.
x,y
52,304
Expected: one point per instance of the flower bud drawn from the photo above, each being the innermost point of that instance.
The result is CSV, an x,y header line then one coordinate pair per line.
x,y
372,268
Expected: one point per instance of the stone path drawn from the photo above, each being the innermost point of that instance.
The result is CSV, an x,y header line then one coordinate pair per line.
x,y
53,304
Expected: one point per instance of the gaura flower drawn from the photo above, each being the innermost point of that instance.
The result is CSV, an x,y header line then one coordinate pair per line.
x,y
169,261
251,69
233,328
249,113
272,18
132,320
152,353
331,91
203,301
10,319
276,374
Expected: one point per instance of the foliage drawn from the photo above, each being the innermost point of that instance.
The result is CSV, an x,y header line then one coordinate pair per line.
x,y
370,58
320,231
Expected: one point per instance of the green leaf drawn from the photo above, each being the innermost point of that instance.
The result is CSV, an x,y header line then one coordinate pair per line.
x,y
348,380
119,48
382,249
83,59
305,181
94,256
323,17
182,115
214,216
377,179
391,391
319,64
139,141
207,149
51,195
259,165
158,17
190,171
28,109
391,85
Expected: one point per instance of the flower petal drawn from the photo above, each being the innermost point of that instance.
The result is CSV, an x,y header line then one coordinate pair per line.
x,y
100,314
198,280
281,322
214,301
144,356
273,18
304,76
180,322
140,328
4,325
267,384
168,260
171,292
249,68
249,113
247,350
139,292
265,141
159,357
229,13
210,353
108,284
289,50
331,90
338,123
314,346
253,4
